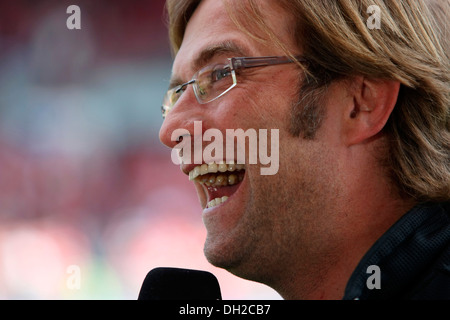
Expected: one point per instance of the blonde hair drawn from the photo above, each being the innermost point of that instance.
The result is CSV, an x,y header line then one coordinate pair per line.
x,y
411,47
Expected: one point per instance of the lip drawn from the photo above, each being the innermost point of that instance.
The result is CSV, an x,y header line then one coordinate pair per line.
x,y
186,168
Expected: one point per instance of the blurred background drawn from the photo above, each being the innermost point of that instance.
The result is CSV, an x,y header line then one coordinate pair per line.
x,y
86,188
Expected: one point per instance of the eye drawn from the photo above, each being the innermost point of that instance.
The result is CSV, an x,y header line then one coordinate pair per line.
x,y
220,73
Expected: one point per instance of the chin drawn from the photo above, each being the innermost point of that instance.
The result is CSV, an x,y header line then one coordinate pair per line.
x,y
234,256
227,253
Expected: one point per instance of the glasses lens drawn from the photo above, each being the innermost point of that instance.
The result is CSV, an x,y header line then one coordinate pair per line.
x,y
212,82
209,83
170,99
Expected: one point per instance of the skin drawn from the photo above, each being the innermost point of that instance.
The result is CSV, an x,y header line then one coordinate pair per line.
x,y
303,230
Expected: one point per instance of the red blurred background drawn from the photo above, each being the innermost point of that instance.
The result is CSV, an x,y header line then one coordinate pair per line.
x,y
84,180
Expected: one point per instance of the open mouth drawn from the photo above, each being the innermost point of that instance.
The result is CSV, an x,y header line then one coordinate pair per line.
x,y
221,180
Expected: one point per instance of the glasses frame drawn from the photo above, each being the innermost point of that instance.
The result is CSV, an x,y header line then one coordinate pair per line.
x,y
236,63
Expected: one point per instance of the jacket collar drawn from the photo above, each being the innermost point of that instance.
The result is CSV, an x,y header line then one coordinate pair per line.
x,y
404,254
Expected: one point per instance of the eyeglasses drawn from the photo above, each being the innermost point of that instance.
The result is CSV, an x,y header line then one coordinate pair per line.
x,y
213,81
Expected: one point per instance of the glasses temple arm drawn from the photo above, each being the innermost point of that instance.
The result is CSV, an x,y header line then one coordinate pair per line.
x,y
184,85
252,62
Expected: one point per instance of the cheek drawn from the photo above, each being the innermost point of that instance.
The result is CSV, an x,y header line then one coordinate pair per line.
x,y
260,109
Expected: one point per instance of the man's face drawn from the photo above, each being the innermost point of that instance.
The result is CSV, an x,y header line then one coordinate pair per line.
x,y
267,222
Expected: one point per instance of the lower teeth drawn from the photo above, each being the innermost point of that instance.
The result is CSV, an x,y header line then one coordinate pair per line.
x,y
217,201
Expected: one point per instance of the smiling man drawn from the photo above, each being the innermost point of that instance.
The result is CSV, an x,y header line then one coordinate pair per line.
x,y
364,142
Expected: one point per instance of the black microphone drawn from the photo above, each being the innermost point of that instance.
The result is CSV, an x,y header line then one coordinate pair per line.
x,y
179,284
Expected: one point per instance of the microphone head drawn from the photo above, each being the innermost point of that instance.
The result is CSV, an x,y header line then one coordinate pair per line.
x,y
179,284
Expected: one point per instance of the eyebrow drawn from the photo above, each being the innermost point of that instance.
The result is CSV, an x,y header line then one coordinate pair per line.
x,y
207,54
226,47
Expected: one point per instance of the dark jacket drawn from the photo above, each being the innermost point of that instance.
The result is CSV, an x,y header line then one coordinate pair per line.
x,y
413,259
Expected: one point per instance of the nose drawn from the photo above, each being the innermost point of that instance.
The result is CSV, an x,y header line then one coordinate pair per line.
x,y
172,124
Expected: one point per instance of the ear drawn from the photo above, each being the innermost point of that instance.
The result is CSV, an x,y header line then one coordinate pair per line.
x,y
373,102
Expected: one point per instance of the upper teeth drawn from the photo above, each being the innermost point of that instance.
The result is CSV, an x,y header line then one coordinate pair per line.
x,y
213,168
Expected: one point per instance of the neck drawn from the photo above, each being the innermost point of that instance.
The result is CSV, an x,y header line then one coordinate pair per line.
x,y
328,282
361,215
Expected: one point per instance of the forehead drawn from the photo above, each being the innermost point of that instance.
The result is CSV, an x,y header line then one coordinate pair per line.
x,y
211,32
